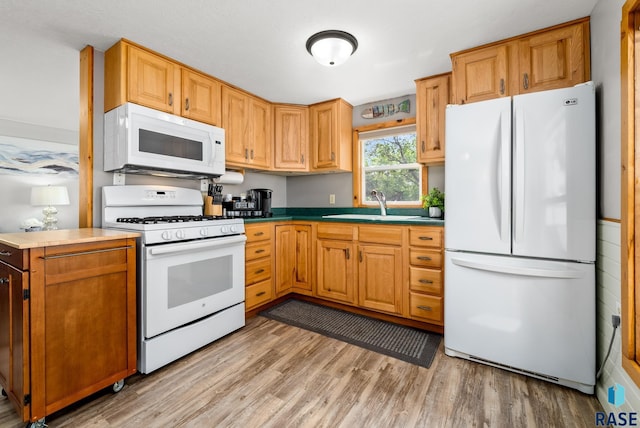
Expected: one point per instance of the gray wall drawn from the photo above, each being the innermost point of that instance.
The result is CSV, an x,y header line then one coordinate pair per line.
x,y
40,101
605,72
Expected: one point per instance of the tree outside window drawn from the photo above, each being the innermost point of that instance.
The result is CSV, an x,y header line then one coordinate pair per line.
x,y
389,165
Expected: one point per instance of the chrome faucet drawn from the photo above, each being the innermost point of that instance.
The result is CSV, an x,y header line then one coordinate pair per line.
x,y
381,200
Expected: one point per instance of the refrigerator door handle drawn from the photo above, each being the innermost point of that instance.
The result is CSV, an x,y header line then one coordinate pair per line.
x,y
519,175
518,270
505,175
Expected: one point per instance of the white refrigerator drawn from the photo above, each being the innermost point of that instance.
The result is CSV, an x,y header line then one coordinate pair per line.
x,y
520,214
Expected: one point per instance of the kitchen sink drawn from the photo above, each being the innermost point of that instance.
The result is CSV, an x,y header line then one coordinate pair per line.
x,y
373,217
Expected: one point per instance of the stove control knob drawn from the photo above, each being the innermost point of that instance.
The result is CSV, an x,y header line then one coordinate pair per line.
x,y
204,232
234,229
180,234
224,229
166,235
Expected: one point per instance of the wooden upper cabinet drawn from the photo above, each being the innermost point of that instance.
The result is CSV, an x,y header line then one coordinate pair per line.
x,y
138,75
235,110
291,132
330,130
151,80
554,59
551,58
247,123
200,97
432,95
261,133
481,74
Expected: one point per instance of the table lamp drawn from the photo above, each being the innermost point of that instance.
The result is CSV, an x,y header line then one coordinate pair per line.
x,y
49,196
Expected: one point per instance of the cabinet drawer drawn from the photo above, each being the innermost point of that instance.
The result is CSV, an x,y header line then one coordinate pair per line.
x,y
343,232
16,258
258,294
380,235
425,258
425,280
257,250
426,307
257,270
259,232
425,237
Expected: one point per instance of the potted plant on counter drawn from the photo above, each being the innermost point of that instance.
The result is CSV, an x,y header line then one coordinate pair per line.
x,y
433,202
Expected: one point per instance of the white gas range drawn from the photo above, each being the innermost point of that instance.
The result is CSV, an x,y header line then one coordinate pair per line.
x,y
190,269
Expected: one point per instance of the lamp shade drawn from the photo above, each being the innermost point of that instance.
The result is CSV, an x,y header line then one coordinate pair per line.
x,y
332,47
49,195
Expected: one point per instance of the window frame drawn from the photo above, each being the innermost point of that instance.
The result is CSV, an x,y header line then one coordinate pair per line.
x,y
358,169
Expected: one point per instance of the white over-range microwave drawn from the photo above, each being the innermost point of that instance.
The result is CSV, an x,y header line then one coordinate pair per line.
x,y
141,140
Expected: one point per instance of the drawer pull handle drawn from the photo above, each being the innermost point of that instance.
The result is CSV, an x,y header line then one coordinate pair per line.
x,y
425,308
259,271
425,281
427,258
258,234
6,253
260,251
4,280
262,293
426,238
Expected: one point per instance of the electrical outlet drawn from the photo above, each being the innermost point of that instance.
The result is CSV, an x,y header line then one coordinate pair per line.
x,y
332,199
204,185
618,308
118,179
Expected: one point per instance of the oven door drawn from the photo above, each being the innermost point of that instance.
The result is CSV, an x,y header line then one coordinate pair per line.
x,y
186,281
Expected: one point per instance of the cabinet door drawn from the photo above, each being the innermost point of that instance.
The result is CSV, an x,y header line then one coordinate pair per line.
x,y
200,97
285,258
336,271
291,138
553,59
380,278
152,81
87,333
432,99
324,135
14,337
235,114
481,74
303,257
261,138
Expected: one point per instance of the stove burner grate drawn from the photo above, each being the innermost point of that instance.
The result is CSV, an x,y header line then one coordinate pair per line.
x,y
166,219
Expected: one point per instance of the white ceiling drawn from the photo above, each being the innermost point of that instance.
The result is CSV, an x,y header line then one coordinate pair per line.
x,y
259,45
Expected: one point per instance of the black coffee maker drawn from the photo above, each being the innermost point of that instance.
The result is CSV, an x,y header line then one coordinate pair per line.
x,y
263,199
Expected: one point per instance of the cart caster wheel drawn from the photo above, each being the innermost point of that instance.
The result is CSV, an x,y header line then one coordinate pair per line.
x,y
4,393
37,424
117,387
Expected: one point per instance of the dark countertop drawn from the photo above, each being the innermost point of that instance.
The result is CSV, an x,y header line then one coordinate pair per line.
x,y
316,214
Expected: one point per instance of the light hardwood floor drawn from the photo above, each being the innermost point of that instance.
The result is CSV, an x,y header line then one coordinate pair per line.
x,y
269,374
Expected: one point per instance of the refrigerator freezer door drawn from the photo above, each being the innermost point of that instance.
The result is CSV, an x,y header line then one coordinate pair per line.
x,y
554,177
529,315
477,177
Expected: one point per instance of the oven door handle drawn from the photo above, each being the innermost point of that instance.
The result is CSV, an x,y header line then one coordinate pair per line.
x,y
200,245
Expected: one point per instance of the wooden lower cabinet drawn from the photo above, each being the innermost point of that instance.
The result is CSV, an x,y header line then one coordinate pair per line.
x,y
71,323
380,278
293,259
258,276
336,271
426,280
392,270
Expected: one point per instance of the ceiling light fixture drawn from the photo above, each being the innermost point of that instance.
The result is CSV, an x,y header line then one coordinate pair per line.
x,y
331,47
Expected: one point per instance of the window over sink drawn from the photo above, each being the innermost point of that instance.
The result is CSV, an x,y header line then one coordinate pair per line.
x,y
385,159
